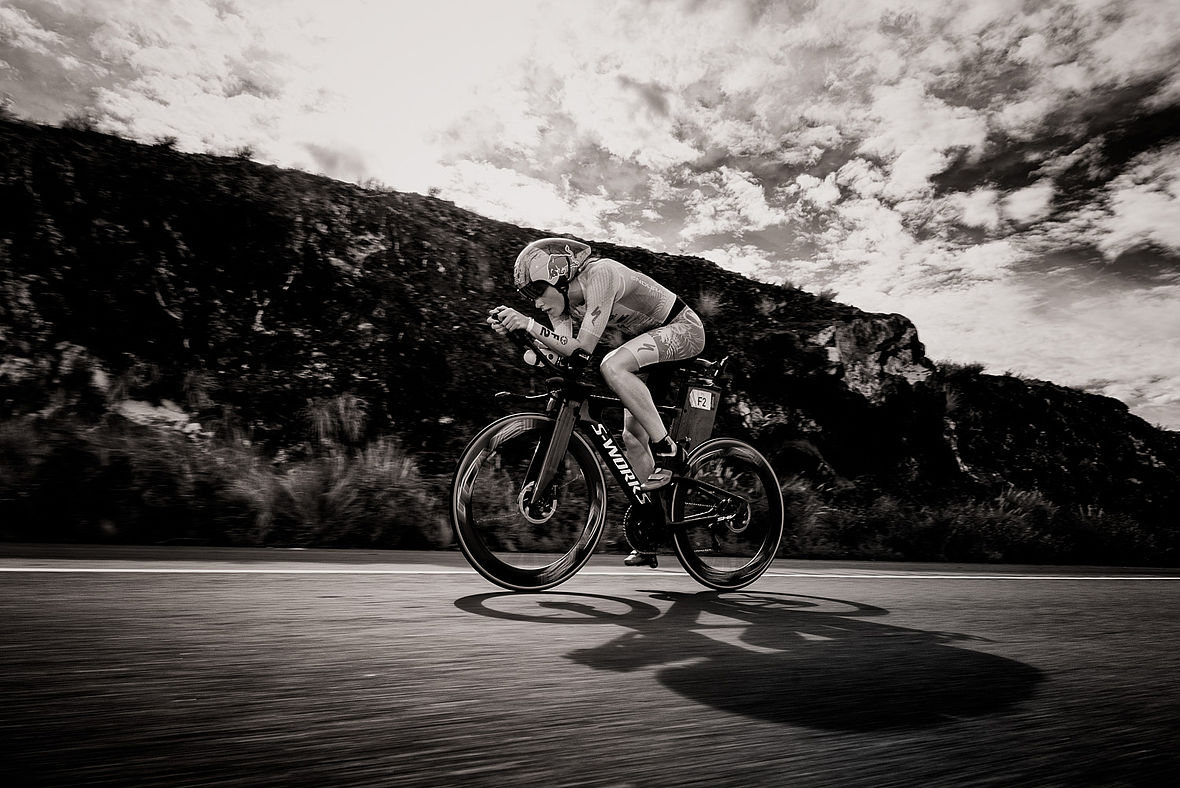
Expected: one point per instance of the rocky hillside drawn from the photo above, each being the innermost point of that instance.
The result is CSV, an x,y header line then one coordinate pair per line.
x,y
241,298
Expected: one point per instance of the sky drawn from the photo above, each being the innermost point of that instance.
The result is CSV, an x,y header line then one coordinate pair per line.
x,y
1006,174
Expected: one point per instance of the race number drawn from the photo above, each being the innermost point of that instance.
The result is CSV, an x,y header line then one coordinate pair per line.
x,y
702,399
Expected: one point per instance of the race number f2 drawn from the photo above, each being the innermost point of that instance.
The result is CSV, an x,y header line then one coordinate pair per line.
x,y
701,399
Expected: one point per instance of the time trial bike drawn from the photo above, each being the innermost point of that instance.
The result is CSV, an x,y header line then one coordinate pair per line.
x,y
529,499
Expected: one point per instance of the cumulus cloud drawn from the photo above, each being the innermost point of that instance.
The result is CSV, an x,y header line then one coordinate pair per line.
x,y
917,133
1144,204
978,208
729,202
754,262
555,207
1028,204
822,194
862,177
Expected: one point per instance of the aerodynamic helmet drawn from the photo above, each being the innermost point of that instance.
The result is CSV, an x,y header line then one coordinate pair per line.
x,y
549,261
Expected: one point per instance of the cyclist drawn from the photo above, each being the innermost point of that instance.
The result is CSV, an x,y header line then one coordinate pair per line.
x,y
566,281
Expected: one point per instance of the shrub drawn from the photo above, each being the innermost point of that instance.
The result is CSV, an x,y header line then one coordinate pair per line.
x,y
122,482
708,304
1016,526
370,497
952,368
339,419
80,120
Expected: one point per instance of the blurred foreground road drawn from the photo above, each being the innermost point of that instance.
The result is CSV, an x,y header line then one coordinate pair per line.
x,y
193,666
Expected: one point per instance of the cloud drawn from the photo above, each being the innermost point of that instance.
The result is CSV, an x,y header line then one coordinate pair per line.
x,y
861,177
821,194
19,31
978,208
1028,204
916,132
1140,43
908,117
754,262
1143,204
1138,208
549,206
728,202
1123,344
626,120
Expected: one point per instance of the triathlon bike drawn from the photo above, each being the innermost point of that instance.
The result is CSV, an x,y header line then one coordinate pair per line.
x,y
529,498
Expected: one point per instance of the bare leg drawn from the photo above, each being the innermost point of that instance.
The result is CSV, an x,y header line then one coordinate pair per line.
x,y
619,370
635,446
640,420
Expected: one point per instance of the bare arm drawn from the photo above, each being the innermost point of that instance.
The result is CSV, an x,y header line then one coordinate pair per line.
x,y
559,339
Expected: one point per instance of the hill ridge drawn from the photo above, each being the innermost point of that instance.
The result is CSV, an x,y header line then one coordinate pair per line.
x,y
253,295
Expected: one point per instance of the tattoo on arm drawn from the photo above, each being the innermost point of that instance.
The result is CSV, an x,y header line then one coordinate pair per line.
x,y
546,333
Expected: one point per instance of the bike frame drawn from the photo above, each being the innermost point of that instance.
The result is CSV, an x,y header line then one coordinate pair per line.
x,y
573,405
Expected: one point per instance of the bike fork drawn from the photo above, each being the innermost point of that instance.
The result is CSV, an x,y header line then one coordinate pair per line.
x,y
544,465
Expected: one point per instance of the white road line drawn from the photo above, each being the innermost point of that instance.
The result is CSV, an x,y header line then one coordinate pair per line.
x,y
584,573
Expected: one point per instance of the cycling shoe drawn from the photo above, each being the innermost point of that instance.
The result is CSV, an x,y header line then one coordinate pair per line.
x,y
641,559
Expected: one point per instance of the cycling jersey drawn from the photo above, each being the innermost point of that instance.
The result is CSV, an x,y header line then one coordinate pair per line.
x,y
619,297
659,326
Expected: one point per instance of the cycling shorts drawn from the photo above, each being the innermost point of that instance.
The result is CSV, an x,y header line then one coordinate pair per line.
x,y
682,337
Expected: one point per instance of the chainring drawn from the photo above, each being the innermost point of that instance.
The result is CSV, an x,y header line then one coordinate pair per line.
x,y
642,531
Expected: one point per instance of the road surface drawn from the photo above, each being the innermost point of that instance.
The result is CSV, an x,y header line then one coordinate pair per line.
x,y
202,667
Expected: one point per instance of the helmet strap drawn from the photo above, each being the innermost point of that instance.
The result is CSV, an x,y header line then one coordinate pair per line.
x,y
562,285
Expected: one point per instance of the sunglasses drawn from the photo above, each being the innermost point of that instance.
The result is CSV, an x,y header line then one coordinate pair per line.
x,y
533,290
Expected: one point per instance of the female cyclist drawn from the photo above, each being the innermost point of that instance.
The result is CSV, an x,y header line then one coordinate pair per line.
x,y
583,295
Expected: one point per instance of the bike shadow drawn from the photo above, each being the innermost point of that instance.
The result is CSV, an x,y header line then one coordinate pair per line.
x,y
789,659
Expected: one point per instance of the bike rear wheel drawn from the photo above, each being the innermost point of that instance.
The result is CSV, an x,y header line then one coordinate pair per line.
x,y
515,544
727,512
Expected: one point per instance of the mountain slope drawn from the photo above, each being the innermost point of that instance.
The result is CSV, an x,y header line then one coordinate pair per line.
x,y
257,297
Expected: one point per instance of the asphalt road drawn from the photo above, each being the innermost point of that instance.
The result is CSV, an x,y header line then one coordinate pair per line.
x,y
188,667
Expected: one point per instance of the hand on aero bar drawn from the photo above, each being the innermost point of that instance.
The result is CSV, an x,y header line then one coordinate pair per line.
x,y
506,320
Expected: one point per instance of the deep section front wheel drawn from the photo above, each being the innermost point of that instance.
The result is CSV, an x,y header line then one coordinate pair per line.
x,y
512,534
727,514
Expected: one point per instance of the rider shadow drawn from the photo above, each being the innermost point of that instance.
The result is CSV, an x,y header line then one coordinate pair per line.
x,y
796,660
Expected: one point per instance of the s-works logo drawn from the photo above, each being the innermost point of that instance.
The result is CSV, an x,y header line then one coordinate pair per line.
x,y
619,463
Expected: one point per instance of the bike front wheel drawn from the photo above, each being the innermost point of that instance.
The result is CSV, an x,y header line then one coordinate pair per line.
x,y
727,514
512,536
